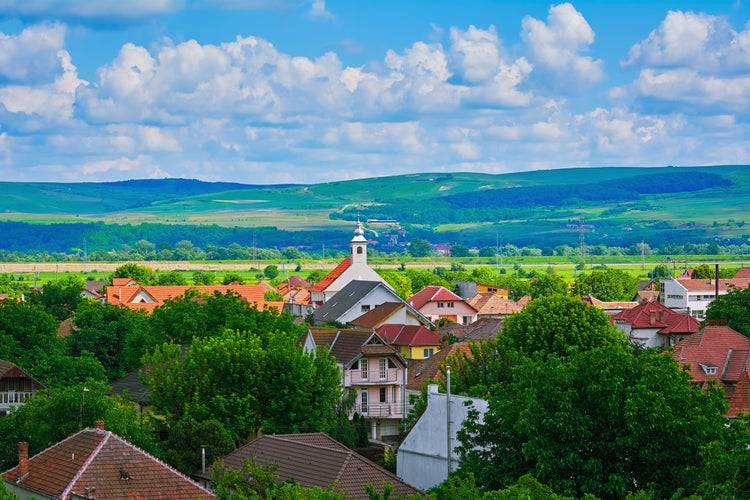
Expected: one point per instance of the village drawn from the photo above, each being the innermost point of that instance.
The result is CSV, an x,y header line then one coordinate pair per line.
x,y
393,360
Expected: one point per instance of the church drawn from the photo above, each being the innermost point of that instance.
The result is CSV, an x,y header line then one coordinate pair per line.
x,y
352,268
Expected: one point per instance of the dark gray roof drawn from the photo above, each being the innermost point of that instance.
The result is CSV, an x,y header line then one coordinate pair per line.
x,y
344,345
131,387
318,460
483,329
344,300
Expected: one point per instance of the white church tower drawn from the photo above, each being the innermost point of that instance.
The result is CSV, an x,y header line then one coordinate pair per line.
x,y
352,268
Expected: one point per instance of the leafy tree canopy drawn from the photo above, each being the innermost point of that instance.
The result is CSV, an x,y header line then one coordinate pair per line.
x,y
595,422
559,325
607,285
732,308
142,274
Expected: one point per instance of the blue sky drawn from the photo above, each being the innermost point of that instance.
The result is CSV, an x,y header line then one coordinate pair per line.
x,y
279,91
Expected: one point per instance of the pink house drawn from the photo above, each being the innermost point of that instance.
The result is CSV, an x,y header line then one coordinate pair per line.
x,y
372,368
437,302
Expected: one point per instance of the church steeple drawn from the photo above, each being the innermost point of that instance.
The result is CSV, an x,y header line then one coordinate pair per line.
x,y
359,245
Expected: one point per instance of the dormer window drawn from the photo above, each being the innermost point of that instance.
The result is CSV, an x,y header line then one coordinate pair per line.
x,y
709,369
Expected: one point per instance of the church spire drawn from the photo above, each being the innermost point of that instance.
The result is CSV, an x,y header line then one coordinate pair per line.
x,y
359,244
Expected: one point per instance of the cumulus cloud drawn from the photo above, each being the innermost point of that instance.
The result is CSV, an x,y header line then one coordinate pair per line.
x,y
693,63
33,56
555,49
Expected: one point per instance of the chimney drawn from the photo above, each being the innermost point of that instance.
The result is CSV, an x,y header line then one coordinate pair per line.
x,y
99,424
23,458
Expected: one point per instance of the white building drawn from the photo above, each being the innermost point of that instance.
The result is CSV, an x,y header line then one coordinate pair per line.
x,y
352,268
694,295
422,458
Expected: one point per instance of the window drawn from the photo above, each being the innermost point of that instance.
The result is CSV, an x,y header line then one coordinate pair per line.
x,y
364,401
359,249
383,395
441,305
450,305
467,320
365,308
383,368
363,368
391,364
429,351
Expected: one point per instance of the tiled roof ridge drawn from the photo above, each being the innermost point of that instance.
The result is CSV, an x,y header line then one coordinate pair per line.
x,y
89,459
342,469
163,464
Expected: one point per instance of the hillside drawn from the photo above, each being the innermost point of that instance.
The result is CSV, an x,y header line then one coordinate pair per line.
x,y
613,207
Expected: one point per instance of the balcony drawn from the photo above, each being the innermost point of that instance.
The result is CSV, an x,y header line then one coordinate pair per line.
x,y
380,410
373,378
13,398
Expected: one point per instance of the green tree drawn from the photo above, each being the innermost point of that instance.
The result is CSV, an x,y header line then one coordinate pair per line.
x,y
659,272
459,250
206,278
233,277
727,463
704,272
28,333
607,285
104,330
594,422
400,282
60,298
732,308
271,271
142,274
545,285
245,381
50,416
559,325
171,278
419,247
186,439
476,372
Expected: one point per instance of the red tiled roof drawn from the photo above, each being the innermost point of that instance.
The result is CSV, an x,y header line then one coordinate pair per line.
x,y
739,401
593,301
332,276
106,466
742,273
713,346
432,293
408,335
657,315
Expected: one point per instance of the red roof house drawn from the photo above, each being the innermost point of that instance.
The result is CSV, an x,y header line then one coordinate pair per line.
x,y
412,341
652,324
437,302
721,354
95,463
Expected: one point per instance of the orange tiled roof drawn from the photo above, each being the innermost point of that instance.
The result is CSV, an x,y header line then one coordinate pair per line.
x,y
104,465
332,276
159,294
489,303
699,285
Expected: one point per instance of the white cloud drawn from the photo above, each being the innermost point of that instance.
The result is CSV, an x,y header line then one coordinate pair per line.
x,y
33,56
693,63
318,11
555,49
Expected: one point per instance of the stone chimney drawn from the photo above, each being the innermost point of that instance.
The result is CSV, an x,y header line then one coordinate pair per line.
x,y
23,458
99,424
